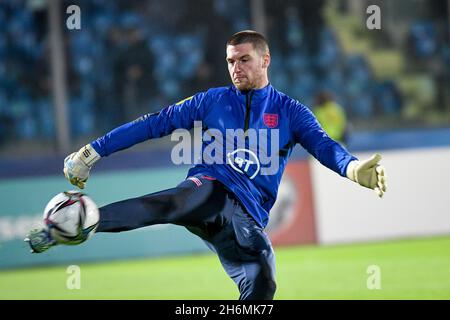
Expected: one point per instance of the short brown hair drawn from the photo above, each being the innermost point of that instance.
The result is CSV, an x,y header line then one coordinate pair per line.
x,y
258,41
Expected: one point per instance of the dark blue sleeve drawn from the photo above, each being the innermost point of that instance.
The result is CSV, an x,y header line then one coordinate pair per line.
x,y
153,125
308,132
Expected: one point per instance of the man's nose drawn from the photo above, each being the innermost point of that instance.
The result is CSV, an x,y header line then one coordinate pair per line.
x,y
237,66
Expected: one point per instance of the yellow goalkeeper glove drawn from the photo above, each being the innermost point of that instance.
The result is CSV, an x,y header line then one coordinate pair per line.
x,y
368,173
78,165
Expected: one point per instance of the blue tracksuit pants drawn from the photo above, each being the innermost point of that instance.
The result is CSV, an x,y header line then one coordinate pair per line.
x,y
206,208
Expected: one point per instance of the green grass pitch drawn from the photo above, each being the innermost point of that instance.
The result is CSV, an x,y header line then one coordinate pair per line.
x,y
409,269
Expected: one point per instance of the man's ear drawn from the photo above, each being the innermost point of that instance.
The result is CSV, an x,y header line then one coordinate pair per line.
x,y
266,60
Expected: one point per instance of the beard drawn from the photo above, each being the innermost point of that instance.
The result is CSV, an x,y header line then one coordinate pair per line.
x,y
244,84
254,81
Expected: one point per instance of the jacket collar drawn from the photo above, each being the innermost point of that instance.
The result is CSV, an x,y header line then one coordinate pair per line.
x,y
257,94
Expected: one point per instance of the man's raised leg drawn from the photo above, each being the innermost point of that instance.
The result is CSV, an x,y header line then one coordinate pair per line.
x,y
191,202
188,204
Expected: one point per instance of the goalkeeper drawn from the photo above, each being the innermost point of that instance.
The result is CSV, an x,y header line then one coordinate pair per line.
x,y
226,204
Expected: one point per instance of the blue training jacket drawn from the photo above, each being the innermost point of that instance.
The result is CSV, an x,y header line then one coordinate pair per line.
x,y
250,165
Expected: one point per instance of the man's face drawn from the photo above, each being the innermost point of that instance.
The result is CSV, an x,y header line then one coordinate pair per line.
x,y
247,67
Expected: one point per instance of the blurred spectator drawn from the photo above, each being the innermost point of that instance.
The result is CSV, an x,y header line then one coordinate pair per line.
x,y
424,39
388,99
331,116
133,65
212,21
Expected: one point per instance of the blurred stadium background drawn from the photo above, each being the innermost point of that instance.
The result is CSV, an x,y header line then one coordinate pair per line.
x,y
61,88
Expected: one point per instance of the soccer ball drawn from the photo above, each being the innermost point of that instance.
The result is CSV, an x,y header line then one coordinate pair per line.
x,y
71,217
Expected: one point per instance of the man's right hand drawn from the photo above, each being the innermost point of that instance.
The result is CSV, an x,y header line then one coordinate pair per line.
x,y
78,165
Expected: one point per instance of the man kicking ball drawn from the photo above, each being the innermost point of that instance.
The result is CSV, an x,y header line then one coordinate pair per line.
x,y
226,198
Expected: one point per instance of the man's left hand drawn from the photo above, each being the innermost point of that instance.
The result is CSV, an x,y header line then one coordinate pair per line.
x,y
368,173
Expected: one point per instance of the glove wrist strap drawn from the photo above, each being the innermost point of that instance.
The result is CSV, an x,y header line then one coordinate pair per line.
x,y
351,170
88,155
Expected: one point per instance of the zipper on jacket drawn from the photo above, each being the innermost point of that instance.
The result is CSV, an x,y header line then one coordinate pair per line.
x,y
248,104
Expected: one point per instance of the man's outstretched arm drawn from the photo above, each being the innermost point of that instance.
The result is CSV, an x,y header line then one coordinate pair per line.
x,y
77,165
367,173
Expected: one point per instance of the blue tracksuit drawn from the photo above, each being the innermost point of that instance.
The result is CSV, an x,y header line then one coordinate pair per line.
x,y
226,202
228,108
